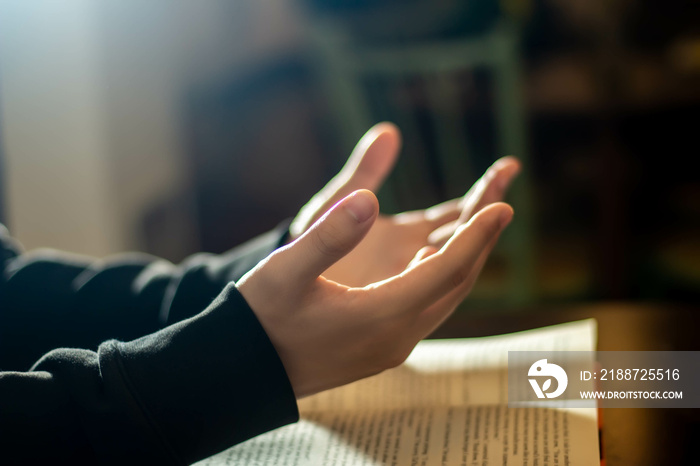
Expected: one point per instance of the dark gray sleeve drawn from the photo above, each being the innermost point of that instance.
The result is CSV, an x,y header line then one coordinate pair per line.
x,y
173,397
191,383
51,300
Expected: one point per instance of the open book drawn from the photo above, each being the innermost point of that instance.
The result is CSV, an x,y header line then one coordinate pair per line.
x,y
446,405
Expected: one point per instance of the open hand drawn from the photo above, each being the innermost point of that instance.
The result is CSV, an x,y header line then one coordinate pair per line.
x,y
393,240
328,333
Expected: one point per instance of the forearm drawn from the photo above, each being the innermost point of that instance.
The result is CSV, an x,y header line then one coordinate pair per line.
x,y
50,300
176,396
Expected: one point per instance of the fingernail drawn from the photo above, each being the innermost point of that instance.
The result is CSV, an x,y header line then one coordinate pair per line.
x,y
360,207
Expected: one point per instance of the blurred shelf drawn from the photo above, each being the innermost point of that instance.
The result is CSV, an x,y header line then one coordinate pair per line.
x,y
570,83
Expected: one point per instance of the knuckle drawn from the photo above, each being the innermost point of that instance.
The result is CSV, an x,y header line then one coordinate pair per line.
x,y
327,241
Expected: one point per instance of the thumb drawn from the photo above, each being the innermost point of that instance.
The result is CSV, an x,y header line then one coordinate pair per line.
x,y
334,235
368,166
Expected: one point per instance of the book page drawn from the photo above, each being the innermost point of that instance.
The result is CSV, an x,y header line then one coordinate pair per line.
x,y
476,436
446,405
452,373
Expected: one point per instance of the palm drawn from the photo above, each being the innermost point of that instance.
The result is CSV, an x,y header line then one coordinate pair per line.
x,y
394,240
384,252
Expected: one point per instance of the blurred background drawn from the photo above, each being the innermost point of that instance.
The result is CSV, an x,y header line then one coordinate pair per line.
x,y
173,126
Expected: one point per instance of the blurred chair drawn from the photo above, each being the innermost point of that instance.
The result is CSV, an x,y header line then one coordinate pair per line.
x,y
357,40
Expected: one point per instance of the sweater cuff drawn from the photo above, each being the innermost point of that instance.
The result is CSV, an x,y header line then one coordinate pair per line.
x,y
208,382
204,275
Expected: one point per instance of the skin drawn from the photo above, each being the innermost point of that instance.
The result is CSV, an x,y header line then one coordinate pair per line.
x,y
354,291
393,240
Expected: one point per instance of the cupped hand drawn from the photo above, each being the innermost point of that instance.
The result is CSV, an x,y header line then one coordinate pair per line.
x,y
329,333
393,240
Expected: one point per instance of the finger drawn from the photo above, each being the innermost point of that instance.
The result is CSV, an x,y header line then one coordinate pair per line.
x,y
468,207
372,159
449,268
443,213
425,251
369,164
434,217
440,236
436,314
491,187
330,238
366,168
